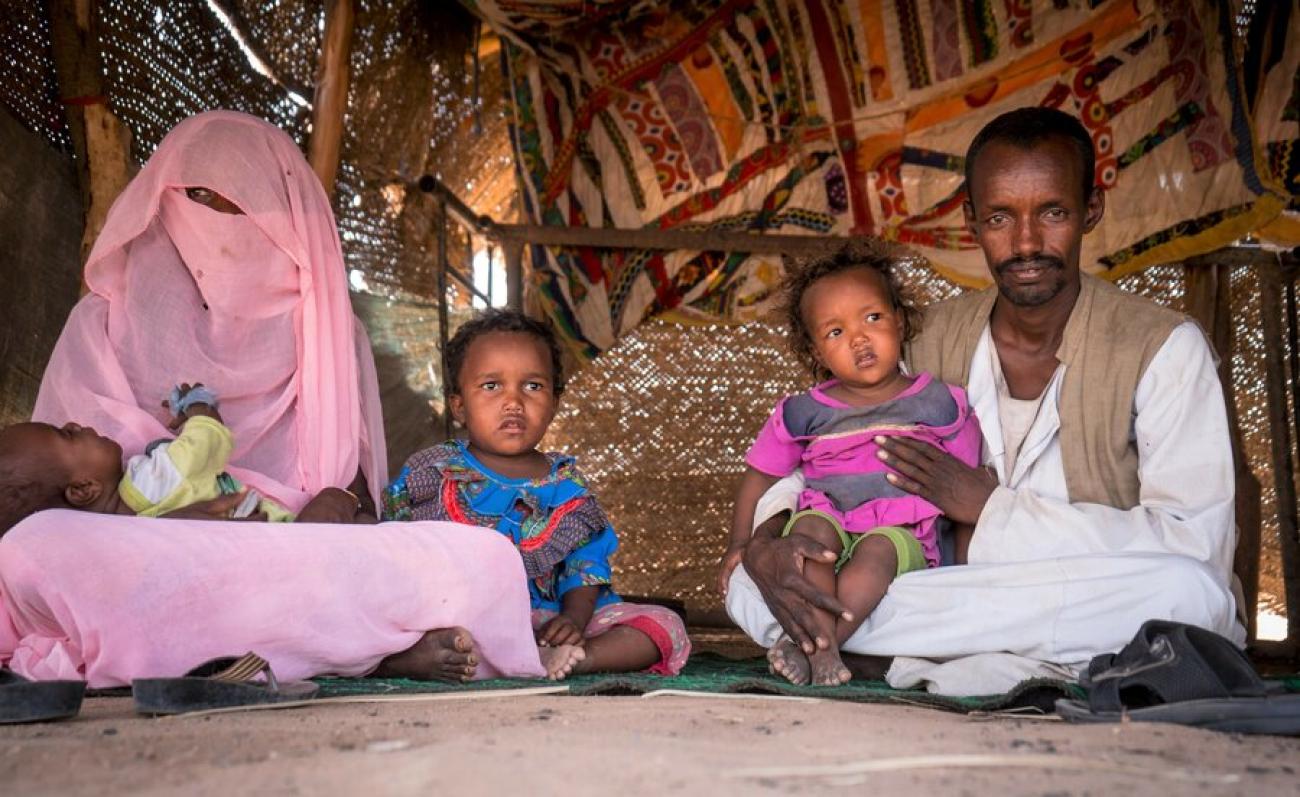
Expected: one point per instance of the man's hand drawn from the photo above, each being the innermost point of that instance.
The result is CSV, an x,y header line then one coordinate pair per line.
x,y
559,630
776,566
219,508
959,490
727,565
330,505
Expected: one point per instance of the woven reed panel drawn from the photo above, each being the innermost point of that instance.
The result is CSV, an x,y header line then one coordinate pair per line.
x,y
29,89
167,61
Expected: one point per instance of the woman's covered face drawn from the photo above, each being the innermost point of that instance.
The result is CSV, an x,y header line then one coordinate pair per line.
x,y
238,270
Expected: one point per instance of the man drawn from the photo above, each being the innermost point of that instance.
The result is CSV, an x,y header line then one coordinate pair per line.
x,y
1107,496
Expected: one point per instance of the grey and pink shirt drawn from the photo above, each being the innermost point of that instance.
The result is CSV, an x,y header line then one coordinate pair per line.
x,y
833,444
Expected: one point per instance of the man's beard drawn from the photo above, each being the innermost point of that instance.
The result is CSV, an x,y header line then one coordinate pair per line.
x,y
1032,295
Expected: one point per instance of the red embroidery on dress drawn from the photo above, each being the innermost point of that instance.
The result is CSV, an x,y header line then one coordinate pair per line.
x,y
451,504
563,509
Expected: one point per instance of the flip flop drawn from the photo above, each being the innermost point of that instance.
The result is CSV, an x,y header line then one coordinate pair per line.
x,y
22,700
1182,674
219,683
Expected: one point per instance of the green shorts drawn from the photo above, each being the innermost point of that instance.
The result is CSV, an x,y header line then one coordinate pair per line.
x,y
911,556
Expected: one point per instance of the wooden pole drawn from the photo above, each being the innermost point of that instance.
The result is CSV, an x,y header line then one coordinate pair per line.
x,y
514,254
101,142
1275,386
1208,300
330,100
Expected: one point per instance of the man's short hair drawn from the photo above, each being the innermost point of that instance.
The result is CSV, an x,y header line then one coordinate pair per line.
x,y
1029,127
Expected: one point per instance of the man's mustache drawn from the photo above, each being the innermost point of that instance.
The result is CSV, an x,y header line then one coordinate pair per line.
x,y
1040,261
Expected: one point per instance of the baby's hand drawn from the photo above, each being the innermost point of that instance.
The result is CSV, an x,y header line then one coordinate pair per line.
x,y
192,408
559,630
730,560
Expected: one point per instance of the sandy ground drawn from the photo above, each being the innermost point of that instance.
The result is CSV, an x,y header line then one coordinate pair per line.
x,y
557,744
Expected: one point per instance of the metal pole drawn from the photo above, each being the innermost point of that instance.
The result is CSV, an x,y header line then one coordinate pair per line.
x,y
442,311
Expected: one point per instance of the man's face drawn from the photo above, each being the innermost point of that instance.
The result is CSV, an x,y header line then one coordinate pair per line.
x,y
1027,211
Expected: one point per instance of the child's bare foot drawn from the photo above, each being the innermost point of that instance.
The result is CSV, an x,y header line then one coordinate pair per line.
x,y
828,668
560,660
444,654
788,661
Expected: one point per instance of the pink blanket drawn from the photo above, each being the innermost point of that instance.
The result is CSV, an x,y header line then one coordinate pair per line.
x,y
111,598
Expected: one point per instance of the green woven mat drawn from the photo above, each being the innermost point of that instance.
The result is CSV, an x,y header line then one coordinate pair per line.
x,y
707,672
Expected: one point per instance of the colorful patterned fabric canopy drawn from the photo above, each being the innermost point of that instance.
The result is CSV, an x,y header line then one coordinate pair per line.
x,y
852,117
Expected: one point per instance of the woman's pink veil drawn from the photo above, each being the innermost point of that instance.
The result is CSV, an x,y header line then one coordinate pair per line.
x,y
276,340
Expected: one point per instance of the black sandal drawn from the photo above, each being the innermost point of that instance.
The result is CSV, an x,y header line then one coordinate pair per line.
x,y
220,683
1183,674
22,700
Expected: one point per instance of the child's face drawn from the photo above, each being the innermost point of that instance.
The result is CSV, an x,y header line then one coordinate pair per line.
x,y
506,395
856,332
76,452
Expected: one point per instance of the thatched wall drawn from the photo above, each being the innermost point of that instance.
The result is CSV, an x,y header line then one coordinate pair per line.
x,y
40,239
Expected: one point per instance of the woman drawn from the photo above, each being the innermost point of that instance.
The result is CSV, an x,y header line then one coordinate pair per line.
x,y
220,263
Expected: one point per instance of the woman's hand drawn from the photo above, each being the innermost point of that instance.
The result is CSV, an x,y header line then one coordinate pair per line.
x,y
776,566
219,508
331,505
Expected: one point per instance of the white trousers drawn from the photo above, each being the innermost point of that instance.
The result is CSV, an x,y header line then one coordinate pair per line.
x,y
1062,611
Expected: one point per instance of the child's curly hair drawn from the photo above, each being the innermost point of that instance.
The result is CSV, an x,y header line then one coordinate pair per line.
x,y
499,320
23,492
801,274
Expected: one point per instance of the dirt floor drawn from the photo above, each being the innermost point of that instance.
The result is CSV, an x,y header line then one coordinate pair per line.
x,y
556,744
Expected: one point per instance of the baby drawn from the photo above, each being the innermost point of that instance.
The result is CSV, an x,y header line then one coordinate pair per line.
x,y
848,321
505,381
73,467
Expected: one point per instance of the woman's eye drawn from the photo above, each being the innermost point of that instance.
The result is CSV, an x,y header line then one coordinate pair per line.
x,y
200,195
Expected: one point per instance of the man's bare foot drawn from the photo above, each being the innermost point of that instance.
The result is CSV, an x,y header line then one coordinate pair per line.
x,y
828,668
444,654
560,660
788,661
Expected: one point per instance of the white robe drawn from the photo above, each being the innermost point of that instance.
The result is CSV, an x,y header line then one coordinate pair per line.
x,y
1052,581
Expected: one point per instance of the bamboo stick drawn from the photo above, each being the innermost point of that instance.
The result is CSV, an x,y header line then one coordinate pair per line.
x,y
1275,385
330,101
101,142
1209,302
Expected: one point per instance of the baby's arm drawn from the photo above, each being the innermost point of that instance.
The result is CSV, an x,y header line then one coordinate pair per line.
x,y
584,575
961,537
752,487
576,608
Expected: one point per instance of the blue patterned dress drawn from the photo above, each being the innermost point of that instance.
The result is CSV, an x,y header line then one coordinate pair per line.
x,y
560,531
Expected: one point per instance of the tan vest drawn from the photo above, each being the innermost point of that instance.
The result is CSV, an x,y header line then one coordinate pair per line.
x,y
1109,341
